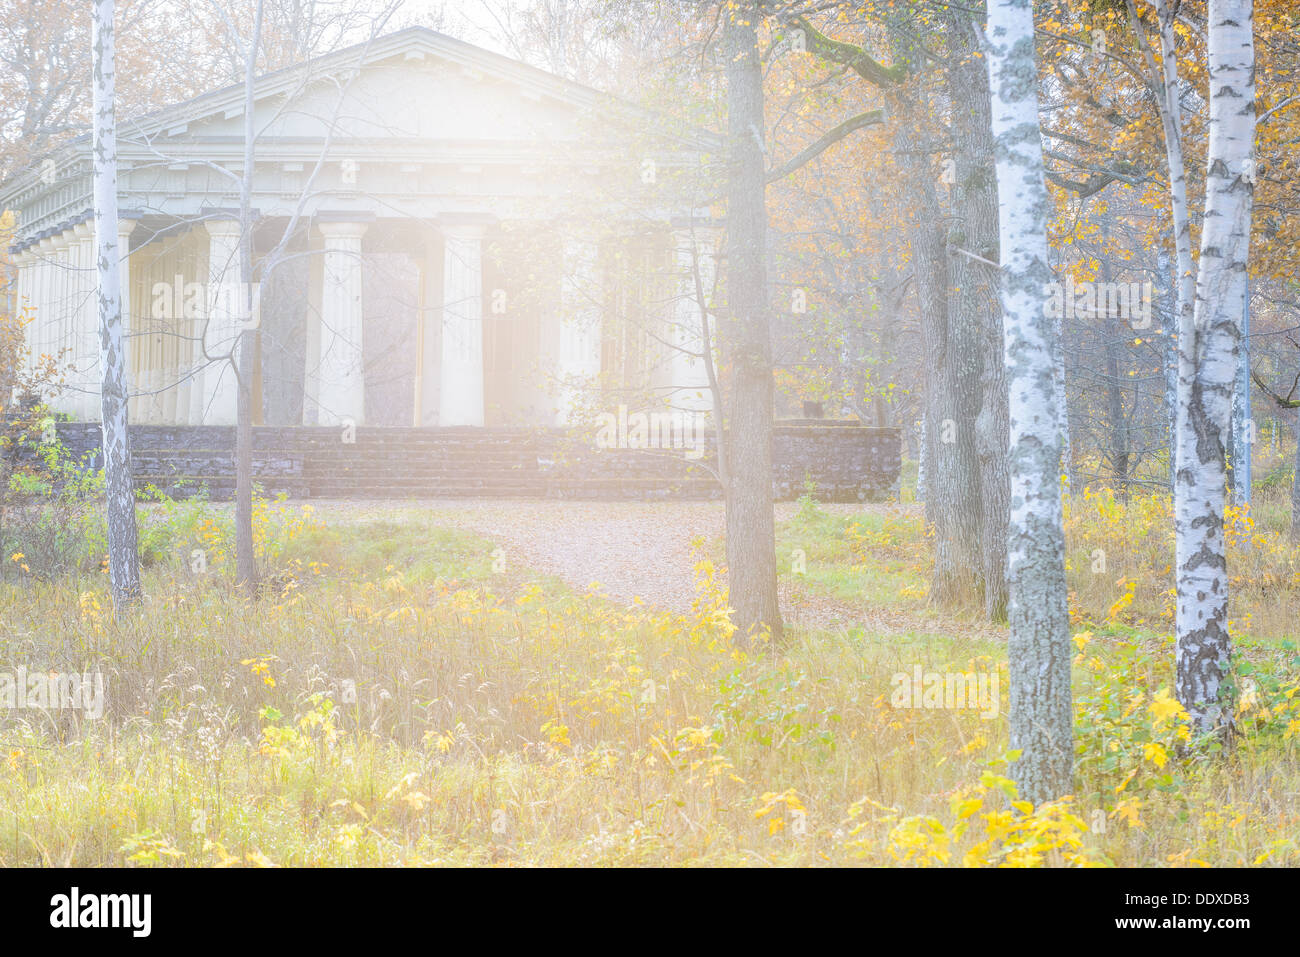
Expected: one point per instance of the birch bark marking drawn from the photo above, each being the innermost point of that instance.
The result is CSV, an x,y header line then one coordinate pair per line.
x,y
1203,650
123,561
1039,648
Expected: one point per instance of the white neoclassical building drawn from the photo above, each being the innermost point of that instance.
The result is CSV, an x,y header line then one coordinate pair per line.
x,y
441,236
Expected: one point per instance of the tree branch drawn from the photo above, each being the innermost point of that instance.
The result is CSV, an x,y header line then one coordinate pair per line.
x,y
825,141
1289,402
854,57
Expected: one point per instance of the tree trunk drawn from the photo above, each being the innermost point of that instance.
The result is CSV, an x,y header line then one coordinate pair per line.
x,y
1169,327
1119,444
119,494
1243,429
974,301
921,457
1295,485
1066,474
963,459
1208,367
1165,86
952,502
1039,648
246,572
746,338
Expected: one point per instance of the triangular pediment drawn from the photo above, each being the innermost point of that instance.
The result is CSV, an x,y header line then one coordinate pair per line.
x,y
415,84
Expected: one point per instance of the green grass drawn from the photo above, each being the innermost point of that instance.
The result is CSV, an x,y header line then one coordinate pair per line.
x,y
830,567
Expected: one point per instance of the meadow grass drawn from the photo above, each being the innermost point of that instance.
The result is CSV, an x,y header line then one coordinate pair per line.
x,y
393,701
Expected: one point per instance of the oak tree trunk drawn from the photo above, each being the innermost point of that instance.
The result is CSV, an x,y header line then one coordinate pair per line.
x,y
974,299
952,480
746,339
246,571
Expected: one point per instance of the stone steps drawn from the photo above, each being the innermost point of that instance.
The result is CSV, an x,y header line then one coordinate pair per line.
x,y
848,463
308,463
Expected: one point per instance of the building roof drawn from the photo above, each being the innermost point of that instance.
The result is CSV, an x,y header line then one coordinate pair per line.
x,y
170,124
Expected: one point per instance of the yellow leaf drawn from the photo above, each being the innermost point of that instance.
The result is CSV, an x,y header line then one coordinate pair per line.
x,y
1128,811
1164,707
1156,754
1123,602
1123,784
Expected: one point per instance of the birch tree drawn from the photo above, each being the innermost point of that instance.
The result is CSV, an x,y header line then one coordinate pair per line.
x,y
123,557
1243,425
1039,647
1208,357
1164,84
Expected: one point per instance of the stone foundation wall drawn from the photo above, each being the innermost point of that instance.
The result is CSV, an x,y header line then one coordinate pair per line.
x,y
845,462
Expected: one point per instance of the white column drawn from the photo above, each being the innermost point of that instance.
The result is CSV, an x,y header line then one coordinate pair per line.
x,y
59,316
341,383
41,334
124,230
689,378
19,260
87,324
69,310
218,397
75,397
460,387
53,300
182,327
198,362
59,312
311,372
578,362
430,336
24,263
70,317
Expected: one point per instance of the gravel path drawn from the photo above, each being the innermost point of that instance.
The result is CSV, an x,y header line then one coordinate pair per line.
x,y
633,549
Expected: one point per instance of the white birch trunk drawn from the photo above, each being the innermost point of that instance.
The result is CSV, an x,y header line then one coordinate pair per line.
x,y
1243,429
123,559
1039,647
1205,396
